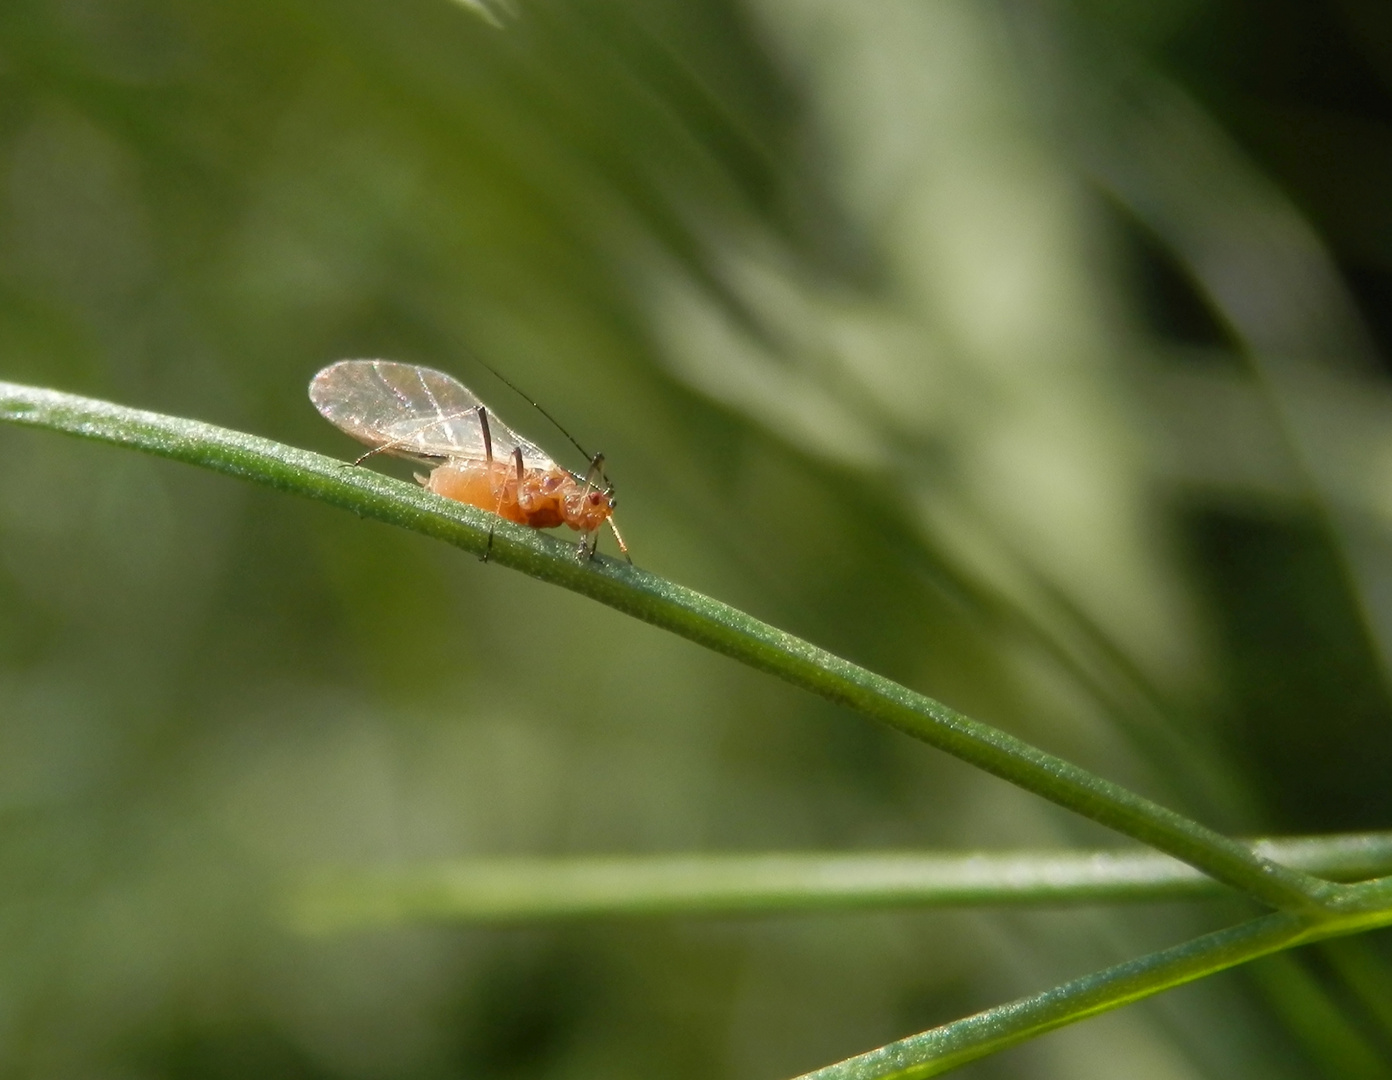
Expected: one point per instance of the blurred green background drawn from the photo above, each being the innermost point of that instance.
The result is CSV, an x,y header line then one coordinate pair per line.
x,y
1031,354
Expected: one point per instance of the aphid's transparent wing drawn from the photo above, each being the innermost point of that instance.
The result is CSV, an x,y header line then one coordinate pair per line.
x,y
413,412
407,410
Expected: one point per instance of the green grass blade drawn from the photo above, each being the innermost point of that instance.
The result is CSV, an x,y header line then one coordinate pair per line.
x,y
519,889
942,1049
682,611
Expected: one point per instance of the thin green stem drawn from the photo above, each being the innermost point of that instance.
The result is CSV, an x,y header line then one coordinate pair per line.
x,y
519,889
942,1049
1367,896
682,611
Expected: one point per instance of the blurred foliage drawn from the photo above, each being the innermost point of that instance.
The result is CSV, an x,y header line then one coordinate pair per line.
x,y
1031,354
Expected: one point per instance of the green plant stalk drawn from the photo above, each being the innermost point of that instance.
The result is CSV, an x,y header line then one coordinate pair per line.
x,y
1366,896
942,1049
519,889
682,611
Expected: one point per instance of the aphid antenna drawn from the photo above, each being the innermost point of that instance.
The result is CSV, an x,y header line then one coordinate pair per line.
x,y
591,458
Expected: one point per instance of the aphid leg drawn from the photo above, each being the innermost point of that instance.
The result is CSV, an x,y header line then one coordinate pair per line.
x,y
516,460
589,543
482,411
595,470
375,450
487,464
388,447
585,551
622,546
385,448
502,489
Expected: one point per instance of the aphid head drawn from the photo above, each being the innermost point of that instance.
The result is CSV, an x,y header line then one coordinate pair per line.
x,y
587,510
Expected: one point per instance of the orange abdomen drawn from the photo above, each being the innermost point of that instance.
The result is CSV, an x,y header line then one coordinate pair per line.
x,y
533,500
